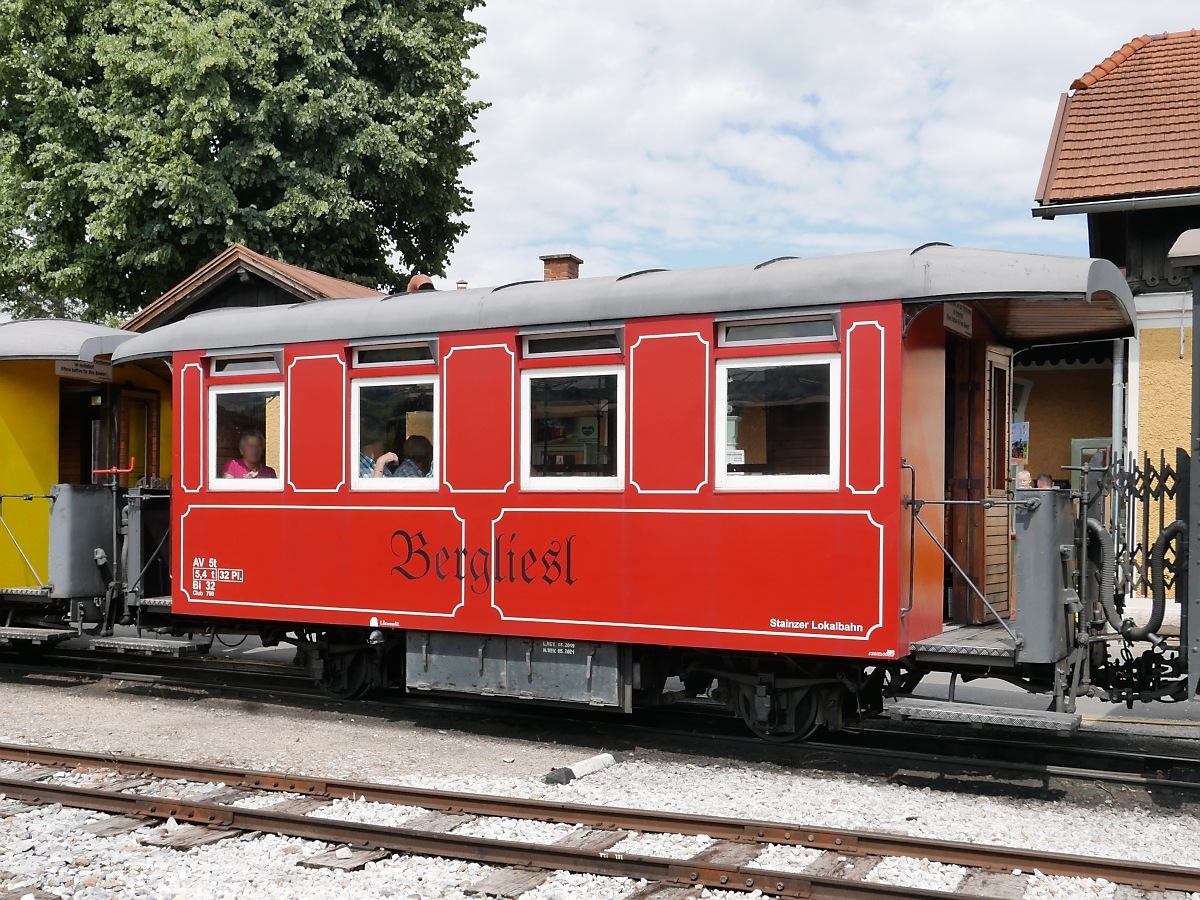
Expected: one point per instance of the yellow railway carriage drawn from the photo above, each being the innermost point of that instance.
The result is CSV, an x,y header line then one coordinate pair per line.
x,y
61,418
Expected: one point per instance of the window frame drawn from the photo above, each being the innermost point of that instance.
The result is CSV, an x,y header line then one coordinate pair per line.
x,y
361,483
561,333
271,363
723,326
605,483
357,350
727,481
215,481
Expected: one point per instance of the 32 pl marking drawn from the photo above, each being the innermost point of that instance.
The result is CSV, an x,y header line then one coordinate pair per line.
x,y
207,574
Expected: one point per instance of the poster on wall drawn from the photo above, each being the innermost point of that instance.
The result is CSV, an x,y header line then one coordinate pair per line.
x,y
1019,442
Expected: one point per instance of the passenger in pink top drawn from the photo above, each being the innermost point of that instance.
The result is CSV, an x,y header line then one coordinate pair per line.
x,y
252,447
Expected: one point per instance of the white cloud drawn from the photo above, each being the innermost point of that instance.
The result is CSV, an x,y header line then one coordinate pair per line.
x,y
675,133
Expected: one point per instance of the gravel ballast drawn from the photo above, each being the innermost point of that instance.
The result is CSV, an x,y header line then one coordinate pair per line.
x,y
46,848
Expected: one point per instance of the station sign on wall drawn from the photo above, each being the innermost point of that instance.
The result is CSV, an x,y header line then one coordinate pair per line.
x,y
957,317
83,371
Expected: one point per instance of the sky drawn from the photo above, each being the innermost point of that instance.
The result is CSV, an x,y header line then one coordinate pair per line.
x,y
688,133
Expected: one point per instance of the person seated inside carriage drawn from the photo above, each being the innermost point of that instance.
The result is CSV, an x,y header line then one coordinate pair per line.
x,y
252,447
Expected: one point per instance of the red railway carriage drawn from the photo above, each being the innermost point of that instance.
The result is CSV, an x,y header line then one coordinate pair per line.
x,y
573,490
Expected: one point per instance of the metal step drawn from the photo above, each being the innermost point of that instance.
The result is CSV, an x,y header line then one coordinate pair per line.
x,y
49,636
145,646
975,714
978,645
25,592
155,601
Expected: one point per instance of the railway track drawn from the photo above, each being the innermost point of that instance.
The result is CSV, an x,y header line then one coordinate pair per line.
x,y
882,747
137,792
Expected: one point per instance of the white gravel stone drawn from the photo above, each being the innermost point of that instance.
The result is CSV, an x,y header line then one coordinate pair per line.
x,y
574,886
262,801
916,873
779,858
1054,887
668,846
366,812
525,830
47,846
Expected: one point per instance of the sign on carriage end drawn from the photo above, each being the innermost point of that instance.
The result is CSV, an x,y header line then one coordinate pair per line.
x,y
84,371
957,317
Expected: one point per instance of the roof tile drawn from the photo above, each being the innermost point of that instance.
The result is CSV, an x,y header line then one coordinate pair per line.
x,y
1132,125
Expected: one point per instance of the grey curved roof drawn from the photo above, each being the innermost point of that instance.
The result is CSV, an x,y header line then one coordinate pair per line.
x,y
51,338
1083,298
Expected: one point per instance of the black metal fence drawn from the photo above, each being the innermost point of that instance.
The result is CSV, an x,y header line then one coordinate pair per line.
x,y
1153,495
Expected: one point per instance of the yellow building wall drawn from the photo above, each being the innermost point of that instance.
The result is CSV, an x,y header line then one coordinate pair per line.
x,y
1064,404
28,465
1164,403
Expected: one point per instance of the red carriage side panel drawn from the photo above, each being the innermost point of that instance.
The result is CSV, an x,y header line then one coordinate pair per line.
x,y
805,571
669,396
864,357
316,419
479,400
721,577
335,564
189,424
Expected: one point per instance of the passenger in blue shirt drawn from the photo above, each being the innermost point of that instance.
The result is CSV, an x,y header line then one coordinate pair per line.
x,y
418,458
372,461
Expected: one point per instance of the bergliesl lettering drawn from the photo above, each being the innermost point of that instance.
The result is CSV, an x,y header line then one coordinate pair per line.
x,y
505,562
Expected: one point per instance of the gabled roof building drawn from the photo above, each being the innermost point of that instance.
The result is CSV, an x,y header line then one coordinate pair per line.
x,y
1125,152
240,277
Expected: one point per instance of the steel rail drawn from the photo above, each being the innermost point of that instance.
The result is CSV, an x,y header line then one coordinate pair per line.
x,y
550,857
872,743
1149,876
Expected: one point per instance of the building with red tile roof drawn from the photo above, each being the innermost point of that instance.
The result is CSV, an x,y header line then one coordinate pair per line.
x,y
1125,152
241,277
1130,128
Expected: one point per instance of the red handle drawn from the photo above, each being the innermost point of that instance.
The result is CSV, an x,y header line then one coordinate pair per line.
x,y
132,464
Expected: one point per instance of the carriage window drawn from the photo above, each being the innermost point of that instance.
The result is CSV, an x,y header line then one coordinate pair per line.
x,y
573,343
246,365
779,331
395,433
572,429
245,438
778,423
407,354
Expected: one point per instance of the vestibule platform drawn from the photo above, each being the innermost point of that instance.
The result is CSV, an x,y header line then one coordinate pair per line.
x,y
981,645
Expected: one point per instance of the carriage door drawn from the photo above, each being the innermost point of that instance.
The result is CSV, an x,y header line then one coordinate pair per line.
x,y
997,546
979,384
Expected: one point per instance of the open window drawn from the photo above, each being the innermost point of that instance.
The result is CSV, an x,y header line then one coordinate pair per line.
x,y
245,437
394,433
777,423
572,428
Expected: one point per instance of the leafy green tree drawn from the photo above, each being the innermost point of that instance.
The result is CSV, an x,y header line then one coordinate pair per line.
x,y
139,138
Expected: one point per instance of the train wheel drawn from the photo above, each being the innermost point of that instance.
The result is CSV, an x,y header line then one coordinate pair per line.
x,y
778,716
348,676
697,684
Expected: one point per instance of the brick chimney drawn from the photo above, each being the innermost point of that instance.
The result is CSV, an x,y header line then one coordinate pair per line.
x,y
560,266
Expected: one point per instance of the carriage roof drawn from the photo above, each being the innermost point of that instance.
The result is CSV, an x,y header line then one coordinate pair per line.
x,y
55,338
1028,297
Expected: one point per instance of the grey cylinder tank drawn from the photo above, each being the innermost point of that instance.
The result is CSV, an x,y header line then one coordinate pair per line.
x,y
1043,534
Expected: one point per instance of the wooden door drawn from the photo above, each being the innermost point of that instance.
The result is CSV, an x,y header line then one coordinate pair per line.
x,y
979,390
997,547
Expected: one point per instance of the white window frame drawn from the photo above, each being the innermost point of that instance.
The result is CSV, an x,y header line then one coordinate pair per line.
x,y
429,343
539,334
729,481
263,362
215,481
361,483
724,340
531,482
